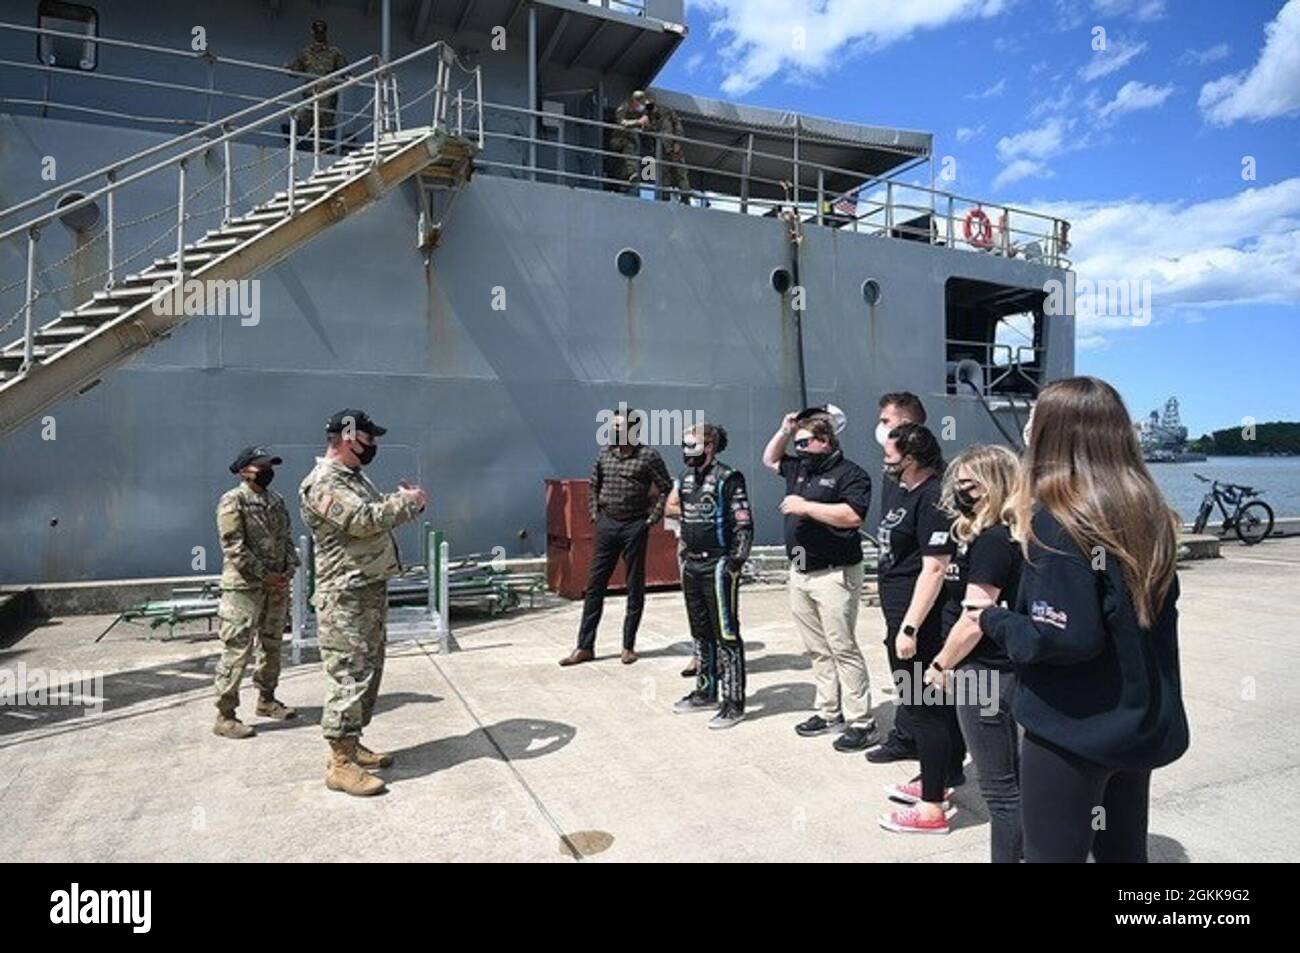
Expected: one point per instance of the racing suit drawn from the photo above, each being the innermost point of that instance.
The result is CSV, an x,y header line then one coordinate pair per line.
x,y
717,531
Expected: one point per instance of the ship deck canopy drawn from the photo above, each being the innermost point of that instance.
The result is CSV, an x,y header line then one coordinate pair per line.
x,y
718,135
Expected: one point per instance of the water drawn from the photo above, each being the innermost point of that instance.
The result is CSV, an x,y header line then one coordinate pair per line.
x,y
1278,479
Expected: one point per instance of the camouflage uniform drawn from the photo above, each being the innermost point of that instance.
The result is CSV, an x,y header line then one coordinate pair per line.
x,y
255,540
627,141
351,523
665,123
319,59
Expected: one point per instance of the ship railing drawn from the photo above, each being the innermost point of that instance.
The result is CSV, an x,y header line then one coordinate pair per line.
x,y
880,205
294,121
63,89
1006,370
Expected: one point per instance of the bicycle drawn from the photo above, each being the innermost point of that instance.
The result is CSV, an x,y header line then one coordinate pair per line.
x,y
1253,521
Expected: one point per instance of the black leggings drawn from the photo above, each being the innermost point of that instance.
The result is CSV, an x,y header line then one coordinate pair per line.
x,y
939,745
1071,805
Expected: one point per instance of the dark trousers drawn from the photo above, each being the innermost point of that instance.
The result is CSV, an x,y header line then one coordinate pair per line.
x,y
939,744
993,737
712,592
614,539
902,735
1071,806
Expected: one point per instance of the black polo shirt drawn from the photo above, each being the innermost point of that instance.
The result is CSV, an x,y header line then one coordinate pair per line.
x,y
809,543
992,558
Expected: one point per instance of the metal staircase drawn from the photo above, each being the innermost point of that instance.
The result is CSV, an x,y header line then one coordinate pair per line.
x,y
69,353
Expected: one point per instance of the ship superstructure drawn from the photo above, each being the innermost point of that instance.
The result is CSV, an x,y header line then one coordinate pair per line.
x,y
459,257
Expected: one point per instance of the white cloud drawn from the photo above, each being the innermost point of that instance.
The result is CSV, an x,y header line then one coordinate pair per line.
x,y
1137,9
1019,169
1268,89
1133,96
763,38
997,89
1117,54
1206,56
1241,249
1042,142
966,133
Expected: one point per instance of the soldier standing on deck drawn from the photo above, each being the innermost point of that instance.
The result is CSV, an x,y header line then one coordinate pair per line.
x,y
664,122
258,560
352,525
631,118
320,58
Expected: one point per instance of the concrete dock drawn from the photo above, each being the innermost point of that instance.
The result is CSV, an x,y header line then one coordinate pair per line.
x,y
504,756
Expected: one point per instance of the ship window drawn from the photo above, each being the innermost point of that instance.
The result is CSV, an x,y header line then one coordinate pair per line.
x,y
994,338
67,52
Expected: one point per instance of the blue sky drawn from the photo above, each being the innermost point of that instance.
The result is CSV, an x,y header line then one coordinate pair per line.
x,y
1140,143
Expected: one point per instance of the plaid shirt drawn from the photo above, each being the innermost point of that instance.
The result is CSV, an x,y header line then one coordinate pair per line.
x,y
620,486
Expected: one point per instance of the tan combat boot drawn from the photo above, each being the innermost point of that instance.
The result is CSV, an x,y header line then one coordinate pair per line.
x,y
274,708
228,726
344,774
371,759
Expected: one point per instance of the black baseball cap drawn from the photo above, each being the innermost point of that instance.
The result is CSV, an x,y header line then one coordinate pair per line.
x,y
251,455
357,420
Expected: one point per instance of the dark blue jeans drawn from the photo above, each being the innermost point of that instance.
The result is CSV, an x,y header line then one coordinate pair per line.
x,y
994,742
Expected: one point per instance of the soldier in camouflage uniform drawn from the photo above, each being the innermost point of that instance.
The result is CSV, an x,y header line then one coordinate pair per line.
x,y
352,524
631,118
258,560
320,58
665,123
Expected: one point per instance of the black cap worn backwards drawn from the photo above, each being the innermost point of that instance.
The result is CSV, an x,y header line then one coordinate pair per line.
x,y
355,419
251,455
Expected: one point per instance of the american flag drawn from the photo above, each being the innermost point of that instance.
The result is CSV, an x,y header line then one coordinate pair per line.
x,y
846,205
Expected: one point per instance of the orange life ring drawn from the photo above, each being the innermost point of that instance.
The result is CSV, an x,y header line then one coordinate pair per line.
x,y
978,228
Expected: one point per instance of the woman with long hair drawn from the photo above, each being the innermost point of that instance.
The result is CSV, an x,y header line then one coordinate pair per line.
x,y
985,568
1094,632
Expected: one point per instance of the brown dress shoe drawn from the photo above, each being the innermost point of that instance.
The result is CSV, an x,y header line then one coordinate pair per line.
x,y
629,656
577,657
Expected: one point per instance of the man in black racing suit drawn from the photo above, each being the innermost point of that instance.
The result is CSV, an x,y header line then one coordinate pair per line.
x,y
717,531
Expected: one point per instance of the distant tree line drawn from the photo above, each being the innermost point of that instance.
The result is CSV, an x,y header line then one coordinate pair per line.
x,y
1277,439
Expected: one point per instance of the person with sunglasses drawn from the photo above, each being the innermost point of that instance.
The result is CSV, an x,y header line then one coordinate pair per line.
x,y
827,498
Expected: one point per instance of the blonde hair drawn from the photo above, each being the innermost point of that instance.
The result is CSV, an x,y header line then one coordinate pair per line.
x,y
996,470
1084,466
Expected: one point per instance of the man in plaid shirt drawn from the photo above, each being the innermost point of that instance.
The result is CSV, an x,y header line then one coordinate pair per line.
x,y
623,509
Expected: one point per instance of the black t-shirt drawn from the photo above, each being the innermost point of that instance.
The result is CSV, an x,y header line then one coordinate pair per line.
x,y
837,480
911,526
992,558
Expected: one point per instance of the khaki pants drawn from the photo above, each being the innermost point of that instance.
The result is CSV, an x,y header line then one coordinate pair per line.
x,y
825,608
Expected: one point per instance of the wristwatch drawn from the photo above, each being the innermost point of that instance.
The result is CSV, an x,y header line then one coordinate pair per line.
x,y
909,630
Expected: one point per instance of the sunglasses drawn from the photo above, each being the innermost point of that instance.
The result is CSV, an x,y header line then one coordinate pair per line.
x,y
802,443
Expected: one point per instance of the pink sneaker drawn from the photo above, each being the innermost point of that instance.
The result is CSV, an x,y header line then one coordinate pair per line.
x,y
910,793
909,821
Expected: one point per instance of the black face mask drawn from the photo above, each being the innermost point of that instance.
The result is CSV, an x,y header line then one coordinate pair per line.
x,y
697,460
965,502
366,453
264,477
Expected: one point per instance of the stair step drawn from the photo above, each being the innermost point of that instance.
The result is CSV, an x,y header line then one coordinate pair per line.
x,y
235,228
124,293
65,332
224,241
98,314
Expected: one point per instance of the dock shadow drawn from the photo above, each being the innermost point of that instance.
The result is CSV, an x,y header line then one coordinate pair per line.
x,y
515,739
782,699
309,716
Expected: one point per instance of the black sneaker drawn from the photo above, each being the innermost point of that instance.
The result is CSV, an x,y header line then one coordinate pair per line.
x,y
817,725
695,701
856,737
728,716
890,752
690,671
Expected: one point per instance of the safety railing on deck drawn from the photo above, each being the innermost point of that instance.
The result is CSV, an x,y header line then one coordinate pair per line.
x,y
875,205
297,122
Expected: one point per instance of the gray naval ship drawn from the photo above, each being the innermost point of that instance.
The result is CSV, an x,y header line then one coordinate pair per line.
x,y
201,249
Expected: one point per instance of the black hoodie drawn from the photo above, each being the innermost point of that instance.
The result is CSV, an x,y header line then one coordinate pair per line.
x,y
1091,680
